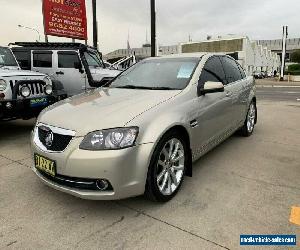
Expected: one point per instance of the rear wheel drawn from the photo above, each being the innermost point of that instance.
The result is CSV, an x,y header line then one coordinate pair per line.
x,y
167,168
249,124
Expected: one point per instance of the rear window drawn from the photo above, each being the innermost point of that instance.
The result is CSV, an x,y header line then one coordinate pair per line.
x,y
67,59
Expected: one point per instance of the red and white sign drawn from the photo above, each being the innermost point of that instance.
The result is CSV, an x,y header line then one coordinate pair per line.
x,y
65,18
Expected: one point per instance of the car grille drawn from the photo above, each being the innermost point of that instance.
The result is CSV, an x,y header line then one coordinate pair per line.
x,y
59,142
37,88
74,182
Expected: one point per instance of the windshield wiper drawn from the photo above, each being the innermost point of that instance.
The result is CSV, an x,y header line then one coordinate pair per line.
x,y
163,88
144,87
131,87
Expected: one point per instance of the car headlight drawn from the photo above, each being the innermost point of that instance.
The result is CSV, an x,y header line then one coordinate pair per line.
x,y
25,91
48,89
3,85
108,139
47,80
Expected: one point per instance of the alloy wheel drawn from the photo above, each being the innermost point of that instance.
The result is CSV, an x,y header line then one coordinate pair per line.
x,y
170,166
251,118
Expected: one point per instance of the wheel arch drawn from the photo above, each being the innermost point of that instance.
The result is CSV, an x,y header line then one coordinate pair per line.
x,y
184,132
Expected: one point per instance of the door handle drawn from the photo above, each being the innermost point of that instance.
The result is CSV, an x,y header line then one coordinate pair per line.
x,y
60,73
228,93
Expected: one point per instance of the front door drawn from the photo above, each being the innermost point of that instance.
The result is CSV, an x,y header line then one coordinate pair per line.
x,y
212,110
42,61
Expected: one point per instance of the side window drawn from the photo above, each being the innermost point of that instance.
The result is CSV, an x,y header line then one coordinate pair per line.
x,y
232,71
42,59
242,70
212,71
68,59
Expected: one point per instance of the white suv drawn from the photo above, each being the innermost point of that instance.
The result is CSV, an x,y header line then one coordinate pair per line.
x,y
23,94
76,66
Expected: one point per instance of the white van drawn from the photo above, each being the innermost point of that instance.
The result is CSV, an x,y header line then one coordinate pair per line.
x,y
77,66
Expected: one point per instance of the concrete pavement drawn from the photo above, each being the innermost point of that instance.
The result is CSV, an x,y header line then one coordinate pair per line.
x,y
244,186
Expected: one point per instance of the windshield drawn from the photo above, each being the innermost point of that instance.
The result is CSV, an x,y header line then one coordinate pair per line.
x,y
93,60
7,58
174,73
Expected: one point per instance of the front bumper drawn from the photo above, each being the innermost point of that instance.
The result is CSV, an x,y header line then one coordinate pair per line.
x,y
126,170
21,108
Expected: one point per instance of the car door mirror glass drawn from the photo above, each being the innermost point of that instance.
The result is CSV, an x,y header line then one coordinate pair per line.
x,y
212,87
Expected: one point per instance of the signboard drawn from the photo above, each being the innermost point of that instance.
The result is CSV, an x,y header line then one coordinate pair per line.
x,y
65,18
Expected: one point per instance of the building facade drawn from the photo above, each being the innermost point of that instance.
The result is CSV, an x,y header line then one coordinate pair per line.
x,y
254,56
276,46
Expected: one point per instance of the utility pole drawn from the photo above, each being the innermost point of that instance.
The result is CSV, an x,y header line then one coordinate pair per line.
x,y
95,28
284,37
25,27
153,28
46,37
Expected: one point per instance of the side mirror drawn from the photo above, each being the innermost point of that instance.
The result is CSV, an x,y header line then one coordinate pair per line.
x,y
78,65
212,87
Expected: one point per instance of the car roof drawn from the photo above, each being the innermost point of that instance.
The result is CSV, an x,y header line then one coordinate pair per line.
x,y
188,55
21,46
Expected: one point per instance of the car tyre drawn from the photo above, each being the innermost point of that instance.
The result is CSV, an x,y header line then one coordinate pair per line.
x,y
250,121
167,167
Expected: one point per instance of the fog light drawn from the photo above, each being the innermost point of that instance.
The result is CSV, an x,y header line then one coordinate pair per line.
x,y
8,105
25,91
102,184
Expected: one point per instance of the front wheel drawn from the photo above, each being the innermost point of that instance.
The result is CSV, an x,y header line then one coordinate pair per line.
x,y
167,168
249,124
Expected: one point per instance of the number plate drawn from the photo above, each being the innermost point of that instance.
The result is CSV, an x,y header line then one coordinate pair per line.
x,y
46,165
38,102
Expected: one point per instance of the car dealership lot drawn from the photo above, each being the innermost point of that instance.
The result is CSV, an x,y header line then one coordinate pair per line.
x,y
244,186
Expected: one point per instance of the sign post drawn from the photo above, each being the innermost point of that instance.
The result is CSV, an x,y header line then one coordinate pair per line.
x,y
65,18
95,24
153,28
284,37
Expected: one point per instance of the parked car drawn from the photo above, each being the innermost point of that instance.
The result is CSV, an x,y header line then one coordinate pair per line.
x,y
141,133
265,74
23,94
107,64
258,75
124,63
76,66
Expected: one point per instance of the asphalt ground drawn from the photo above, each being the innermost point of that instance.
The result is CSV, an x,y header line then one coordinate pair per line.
x,y
279,94
244,186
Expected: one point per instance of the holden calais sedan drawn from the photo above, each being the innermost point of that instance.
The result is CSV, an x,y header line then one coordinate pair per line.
x,y
141,133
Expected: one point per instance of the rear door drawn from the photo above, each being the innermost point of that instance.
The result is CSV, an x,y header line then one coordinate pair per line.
x,y
233,89
67,72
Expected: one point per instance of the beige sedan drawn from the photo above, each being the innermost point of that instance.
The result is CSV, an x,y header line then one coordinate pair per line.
x,y
141,133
